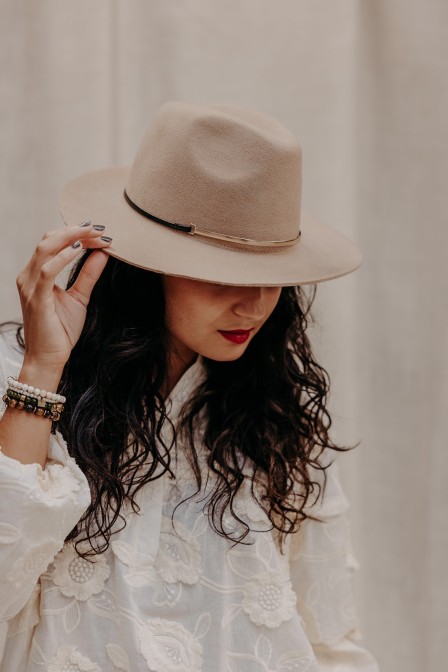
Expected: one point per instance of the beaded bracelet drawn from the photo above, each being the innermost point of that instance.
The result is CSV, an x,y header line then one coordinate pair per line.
x,y
32,404
31,391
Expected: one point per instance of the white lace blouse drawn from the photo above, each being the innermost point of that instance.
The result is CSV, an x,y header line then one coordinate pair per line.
x,y
164,600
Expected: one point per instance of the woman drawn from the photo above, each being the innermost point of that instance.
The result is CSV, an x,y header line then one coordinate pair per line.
x,y
190,407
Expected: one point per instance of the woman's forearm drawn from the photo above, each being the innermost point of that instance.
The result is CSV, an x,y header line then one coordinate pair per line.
x,y
25,436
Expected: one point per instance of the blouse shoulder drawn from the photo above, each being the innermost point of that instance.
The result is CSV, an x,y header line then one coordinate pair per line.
x,y
329,498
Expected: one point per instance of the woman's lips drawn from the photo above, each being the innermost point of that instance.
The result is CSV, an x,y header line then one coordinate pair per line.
x,y
237,335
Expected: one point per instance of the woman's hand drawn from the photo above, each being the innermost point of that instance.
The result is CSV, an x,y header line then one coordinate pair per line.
x,y
53,318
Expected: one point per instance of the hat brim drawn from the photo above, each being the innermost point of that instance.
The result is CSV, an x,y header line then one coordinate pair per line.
x,y
321,254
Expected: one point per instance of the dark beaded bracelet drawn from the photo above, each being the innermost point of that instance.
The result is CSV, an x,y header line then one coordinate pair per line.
x,y
41,407
32,402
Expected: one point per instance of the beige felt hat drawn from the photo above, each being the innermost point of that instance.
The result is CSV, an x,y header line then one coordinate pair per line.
x,y
214,193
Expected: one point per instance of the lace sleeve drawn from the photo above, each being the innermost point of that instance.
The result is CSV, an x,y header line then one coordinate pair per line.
x,y
322,564
38,509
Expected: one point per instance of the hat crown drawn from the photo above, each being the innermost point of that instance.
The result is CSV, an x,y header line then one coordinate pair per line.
x,y
222,168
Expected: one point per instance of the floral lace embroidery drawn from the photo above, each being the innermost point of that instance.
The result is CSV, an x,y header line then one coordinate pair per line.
x,y
141,573
169,647
268,599
69,659
261,659
118,656
249,507
9,534
56,480
28,616
78,578
33,563
178,558
178,562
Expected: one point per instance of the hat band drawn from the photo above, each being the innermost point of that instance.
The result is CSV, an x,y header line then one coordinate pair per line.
x,y
193,230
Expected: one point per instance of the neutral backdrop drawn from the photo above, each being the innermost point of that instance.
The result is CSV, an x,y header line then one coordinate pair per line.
x,y
364,87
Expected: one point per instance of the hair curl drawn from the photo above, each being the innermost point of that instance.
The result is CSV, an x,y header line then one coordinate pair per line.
x,y
267,409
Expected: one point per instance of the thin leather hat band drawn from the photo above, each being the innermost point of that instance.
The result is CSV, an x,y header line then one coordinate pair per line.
x,y
193,230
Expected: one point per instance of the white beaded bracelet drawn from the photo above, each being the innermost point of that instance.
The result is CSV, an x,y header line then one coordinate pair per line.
x,y
35,391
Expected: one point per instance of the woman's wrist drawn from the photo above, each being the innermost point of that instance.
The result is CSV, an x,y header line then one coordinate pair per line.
x,y
40,377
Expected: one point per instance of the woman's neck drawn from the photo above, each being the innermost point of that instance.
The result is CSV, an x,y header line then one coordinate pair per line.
x,y
177,366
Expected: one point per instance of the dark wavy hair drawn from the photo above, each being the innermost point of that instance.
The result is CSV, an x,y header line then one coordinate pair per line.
x,y
265,411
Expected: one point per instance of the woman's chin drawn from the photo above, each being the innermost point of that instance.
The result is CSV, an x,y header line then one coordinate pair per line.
x,y
229,355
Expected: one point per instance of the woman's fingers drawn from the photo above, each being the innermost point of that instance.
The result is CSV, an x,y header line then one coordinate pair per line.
x,y
89,274
51,244
54,241
56,249
53,318
49,270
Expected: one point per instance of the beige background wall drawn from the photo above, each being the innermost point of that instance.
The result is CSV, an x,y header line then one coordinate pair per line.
x,y
363,84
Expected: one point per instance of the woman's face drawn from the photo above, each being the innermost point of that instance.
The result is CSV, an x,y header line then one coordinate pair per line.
x,y
198,311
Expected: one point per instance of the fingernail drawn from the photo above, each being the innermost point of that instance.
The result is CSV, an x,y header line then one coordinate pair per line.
x,y
98,227
107,239
86,223
77,244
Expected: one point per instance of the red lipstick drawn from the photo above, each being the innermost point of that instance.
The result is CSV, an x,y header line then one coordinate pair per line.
x,y
237,335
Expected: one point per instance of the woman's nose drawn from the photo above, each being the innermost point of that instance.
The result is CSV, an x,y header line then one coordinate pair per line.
x,y
251,303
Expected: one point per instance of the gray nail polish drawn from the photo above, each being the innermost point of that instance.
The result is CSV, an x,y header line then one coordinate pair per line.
x,y
86,223
77,244
107,239
98,227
